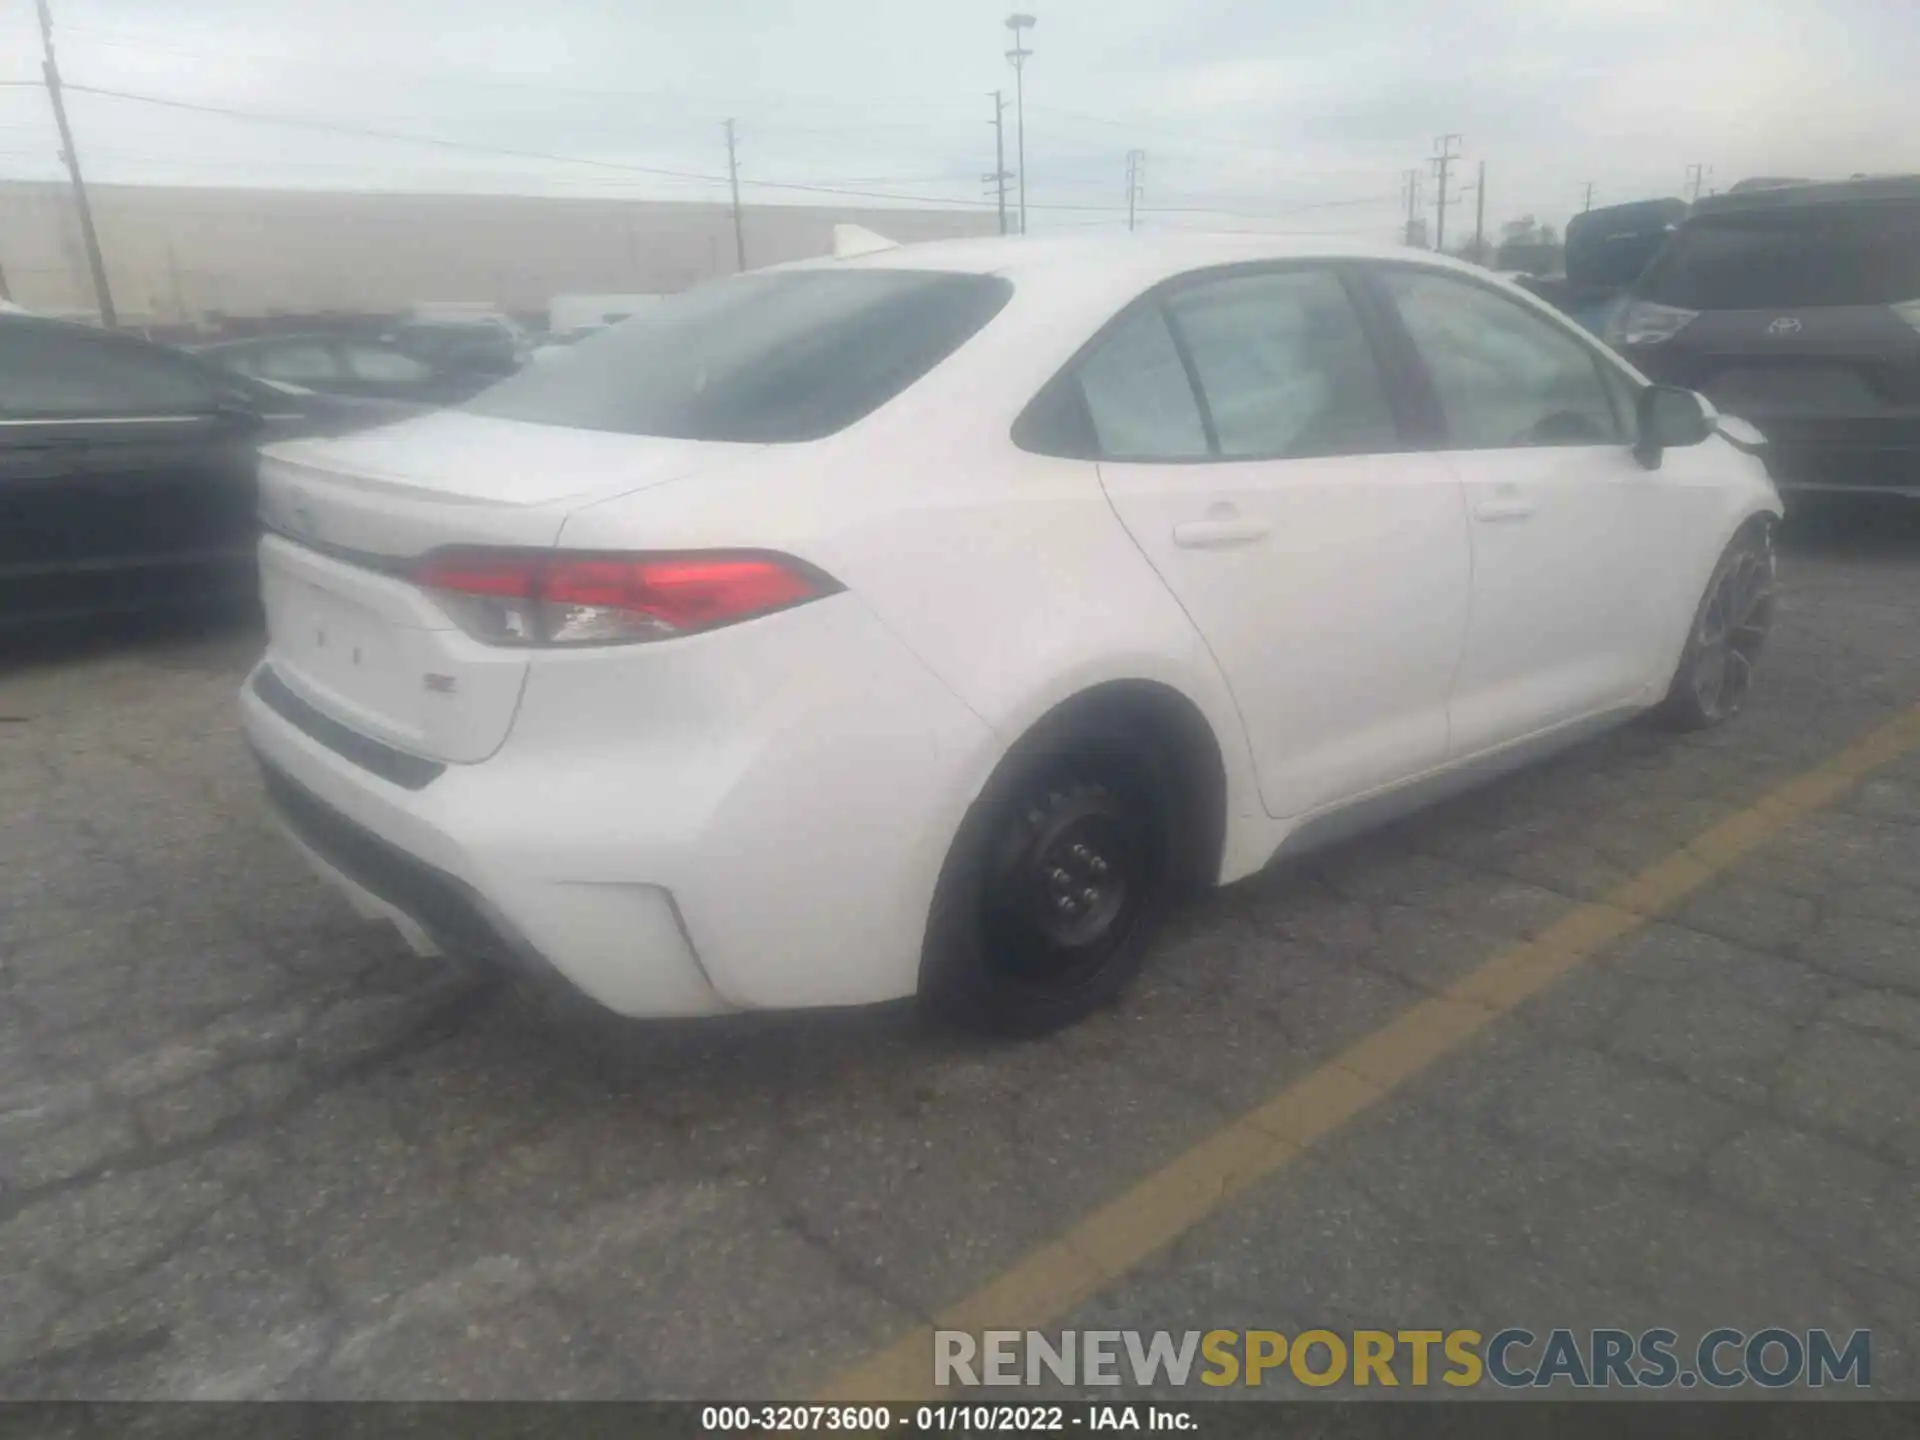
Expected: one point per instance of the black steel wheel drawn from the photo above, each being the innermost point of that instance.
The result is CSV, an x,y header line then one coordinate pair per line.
x,y
1729,632
1055,885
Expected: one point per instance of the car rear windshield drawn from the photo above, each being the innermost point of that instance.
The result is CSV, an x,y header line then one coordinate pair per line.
x,y
766,358
1763,260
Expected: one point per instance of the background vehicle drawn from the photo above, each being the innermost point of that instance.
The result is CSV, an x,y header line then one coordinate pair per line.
x,y
932,621
127,470
1797,307
371,369
556,345
468,355
1606,250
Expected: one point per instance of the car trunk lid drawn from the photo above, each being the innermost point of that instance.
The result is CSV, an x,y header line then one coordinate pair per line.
x,y
347,519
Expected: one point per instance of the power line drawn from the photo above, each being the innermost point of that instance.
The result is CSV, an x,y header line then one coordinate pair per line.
x,y
661,172
334,127
117,41
1224,146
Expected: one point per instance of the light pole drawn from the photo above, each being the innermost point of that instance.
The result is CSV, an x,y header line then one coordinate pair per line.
x,y
1018,55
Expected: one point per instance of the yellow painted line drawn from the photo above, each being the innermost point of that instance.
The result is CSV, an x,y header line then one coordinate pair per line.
x,y
1049,1282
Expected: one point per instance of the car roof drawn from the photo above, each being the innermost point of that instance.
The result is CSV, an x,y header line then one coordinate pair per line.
x,y
26,321
255,342
1790,195
1146,257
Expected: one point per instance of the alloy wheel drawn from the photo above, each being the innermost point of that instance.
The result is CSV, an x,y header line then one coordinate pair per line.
x,y
1733,628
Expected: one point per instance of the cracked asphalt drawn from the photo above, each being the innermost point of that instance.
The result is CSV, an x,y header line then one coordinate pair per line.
x,y
251,1146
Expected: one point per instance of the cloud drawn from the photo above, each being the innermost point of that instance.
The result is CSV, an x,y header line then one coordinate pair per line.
x,y
1255,107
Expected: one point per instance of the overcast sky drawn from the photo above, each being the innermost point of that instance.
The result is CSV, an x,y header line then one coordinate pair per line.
x,y
1255,114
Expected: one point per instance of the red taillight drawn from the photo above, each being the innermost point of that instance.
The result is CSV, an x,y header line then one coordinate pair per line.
x,y
510,597
472,572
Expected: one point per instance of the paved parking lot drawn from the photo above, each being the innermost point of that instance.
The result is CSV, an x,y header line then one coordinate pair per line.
x,y
249,1145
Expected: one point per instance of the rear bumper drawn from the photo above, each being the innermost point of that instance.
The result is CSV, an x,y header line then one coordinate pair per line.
x,y
751,819
1807,449
385,848
1868,457
434,910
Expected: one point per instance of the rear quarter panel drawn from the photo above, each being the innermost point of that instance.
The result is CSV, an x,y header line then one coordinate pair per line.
x,y
1006,574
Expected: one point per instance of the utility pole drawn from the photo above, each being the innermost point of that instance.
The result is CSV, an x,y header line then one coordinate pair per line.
x,y
1480,216
1444,158
733,179
1696,176
1000,174
1136,161
1018,55
103,297
1589,204
1413,207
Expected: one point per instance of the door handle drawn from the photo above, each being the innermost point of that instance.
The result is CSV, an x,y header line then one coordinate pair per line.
x,y
1215,534
1509,507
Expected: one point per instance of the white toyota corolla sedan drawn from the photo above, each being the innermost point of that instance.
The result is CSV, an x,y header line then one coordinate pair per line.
x,y
928,622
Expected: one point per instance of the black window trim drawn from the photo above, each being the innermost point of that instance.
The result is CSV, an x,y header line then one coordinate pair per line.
x,y
1395,378
136,348
1419,377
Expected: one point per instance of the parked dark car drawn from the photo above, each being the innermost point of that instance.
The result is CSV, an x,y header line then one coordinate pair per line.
x,y
127,469
418,373
1606,251
484,349
1797,308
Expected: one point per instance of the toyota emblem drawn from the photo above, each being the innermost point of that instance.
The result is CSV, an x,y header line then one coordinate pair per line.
x,y
1785,325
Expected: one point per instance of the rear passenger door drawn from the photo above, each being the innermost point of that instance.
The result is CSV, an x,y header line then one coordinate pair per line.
x,y
1571,535
152,472
1250,442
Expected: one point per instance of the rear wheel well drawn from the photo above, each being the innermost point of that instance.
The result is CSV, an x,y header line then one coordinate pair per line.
x,y
1176,728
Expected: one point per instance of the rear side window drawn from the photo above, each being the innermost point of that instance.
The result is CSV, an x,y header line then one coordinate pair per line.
x,y
1785,259
1284,366
295,363
367,362
457,345
1138,396
759,358
53,372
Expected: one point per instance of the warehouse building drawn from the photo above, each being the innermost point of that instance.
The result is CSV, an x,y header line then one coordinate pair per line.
x,y
203,257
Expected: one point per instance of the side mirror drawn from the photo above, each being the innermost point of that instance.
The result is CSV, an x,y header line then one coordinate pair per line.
x,y
1669,418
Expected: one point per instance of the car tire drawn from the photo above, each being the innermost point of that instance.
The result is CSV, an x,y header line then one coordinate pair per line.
x,y
1729,631
1061,874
